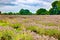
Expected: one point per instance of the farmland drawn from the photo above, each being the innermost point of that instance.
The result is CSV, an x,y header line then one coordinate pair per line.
x,y
29,27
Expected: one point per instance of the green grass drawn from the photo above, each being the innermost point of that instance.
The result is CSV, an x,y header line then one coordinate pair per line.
x,y
26,36
6,34
53,32
41,31
36,29
3,23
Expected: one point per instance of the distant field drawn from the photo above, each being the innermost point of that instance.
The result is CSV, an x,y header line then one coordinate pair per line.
x,y
30,27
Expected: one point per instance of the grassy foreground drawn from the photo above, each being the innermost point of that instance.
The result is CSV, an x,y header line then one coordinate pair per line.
x,y
33,27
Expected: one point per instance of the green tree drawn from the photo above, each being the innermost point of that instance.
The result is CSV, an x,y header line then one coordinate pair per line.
x,y
5,13
42,11
10,13
54,4
21,11
25,12
55,10
0,12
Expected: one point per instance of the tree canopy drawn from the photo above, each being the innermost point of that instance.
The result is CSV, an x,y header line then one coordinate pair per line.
x,y
25,12
0,12
41,11
55,10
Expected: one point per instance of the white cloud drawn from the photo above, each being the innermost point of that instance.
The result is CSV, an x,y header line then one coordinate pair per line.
x,y
22,4
30,1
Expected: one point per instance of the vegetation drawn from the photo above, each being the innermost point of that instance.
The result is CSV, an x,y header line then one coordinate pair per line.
x,y
28,29
25,12
0,12
36,29
42,12
15,29
55,10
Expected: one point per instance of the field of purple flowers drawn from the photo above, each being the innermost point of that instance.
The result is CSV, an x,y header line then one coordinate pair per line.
x,y
29,27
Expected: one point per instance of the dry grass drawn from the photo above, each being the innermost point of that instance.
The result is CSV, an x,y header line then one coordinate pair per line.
x,y
39,27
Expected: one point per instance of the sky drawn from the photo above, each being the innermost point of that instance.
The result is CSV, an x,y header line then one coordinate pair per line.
x,y
32,5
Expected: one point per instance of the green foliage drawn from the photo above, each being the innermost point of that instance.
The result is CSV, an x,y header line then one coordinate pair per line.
x,y
54,4
16,26
25,12
3,23
53,32
24,36
42,12
58,5
17,13
55,10
0,12
10,13
5,13
36,29
6,34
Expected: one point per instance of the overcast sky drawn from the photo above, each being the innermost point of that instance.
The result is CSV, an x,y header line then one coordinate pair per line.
x,y
16,5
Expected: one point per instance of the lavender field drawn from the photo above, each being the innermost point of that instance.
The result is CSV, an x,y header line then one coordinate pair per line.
x,y
29,27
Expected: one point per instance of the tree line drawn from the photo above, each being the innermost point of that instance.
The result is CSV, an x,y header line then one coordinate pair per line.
x,y
55,10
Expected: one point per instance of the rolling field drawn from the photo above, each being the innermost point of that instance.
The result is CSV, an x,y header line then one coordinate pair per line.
x,y
29,27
